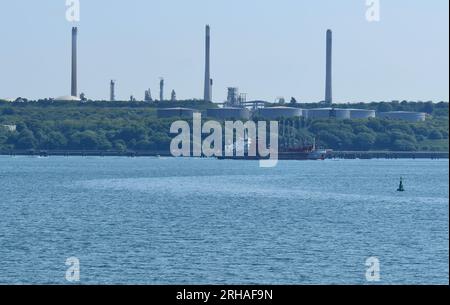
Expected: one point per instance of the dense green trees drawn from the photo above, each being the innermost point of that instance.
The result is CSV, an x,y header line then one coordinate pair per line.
x,y
375,134
134,126
26,140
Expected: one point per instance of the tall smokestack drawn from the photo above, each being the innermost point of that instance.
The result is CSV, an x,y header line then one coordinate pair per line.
x,y
329,72
161,90
112,90
74,91
208,91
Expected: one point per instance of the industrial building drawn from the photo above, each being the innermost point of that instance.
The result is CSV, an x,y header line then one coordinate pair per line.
x,y
164,113
234,98
229,113
362,114
403,115
280,112
233,108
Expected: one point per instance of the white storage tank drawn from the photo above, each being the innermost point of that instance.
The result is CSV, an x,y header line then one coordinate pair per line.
x,y
318,113
403,115
326,113
164,113
280,112
228,113
342,114
67,98
362,114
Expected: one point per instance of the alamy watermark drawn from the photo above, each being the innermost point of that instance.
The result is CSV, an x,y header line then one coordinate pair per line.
x,y
373,10
73,272
239,139
373,269
73,10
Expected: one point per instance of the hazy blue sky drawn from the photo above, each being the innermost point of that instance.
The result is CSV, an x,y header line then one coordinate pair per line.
x,y
266,48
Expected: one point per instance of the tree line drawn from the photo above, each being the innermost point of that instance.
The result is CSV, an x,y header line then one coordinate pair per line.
x,y
135,127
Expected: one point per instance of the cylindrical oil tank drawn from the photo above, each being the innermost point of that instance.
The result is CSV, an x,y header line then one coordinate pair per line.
x,y
164,113
403,115
318,113
342,114
280,112
325,113
228,113
362,113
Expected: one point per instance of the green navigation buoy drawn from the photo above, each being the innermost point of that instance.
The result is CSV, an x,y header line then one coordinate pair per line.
x,y
400,187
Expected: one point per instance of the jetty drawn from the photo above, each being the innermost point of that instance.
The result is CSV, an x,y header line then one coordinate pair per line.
x,y
282,155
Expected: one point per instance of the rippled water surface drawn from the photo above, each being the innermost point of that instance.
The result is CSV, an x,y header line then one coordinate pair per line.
x,y
195,221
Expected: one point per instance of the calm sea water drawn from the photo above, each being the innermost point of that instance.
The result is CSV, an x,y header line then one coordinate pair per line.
x,y
197,221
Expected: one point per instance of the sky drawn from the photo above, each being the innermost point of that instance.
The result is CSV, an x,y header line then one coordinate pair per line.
x,y
268,49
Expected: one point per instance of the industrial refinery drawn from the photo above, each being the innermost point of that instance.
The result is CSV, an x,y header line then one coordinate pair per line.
x,y
236,106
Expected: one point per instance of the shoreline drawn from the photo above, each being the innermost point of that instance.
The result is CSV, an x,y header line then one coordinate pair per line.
x,y
282,156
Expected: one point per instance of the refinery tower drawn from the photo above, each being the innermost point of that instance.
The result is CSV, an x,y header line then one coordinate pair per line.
x,y
74,89
329,69
208,80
